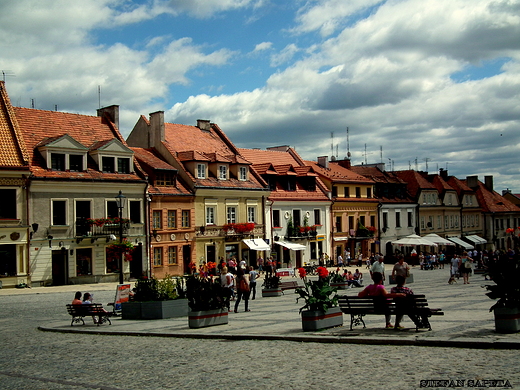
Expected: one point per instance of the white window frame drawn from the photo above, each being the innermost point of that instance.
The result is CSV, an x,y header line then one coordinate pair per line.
x,y
201,171
242,172
222,172
231,214
210,215
66,210
251,214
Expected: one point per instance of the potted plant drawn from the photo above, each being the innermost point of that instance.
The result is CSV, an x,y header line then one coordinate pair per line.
x,y
505,273
208,301
156,299
338,281
271,287
321,309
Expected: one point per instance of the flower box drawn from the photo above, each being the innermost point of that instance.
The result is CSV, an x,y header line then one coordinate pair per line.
x,y
202,319
154,310
507,320
318,319
272,292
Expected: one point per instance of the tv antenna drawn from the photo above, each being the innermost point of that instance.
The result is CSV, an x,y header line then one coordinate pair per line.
x,y
426,159
365,153
348,146
6,73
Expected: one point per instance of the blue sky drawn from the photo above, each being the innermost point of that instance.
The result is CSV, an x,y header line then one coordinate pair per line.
x,y
436,79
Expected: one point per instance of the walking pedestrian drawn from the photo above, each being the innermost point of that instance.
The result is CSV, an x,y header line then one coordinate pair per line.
x,y
243,289
253,275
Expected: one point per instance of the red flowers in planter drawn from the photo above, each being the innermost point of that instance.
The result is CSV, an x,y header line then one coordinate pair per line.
x,y
239,228
322,272
302,272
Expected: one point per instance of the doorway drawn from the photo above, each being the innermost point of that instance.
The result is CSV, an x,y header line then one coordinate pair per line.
x,y
186,258
59,267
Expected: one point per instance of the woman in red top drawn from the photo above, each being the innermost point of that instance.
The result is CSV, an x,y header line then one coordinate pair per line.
x,y
378,290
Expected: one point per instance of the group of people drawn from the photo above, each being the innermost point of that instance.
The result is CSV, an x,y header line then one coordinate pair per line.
x,y
241,285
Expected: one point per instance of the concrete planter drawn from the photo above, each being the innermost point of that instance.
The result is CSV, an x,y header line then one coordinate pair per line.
x,y
272,292
154,310
317,319
507,320
202,319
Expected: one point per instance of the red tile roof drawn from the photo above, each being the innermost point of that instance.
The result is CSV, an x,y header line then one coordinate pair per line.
x,y
493,202
415,181
338,174
38,126
13,153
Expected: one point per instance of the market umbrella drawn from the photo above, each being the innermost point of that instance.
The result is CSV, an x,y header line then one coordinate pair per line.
x,y
438,239
413,240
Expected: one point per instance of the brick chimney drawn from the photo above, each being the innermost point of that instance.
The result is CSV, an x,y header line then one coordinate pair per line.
x,y
472,181
204,124
488,181
443,173
156,128
323,161
344,163
112,112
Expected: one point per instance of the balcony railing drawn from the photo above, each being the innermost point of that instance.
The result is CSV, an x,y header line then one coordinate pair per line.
x,y
84,229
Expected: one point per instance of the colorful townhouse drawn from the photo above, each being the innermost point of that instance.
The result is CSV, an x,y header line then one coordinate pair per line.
x,y
228,217
354,209
14,184
78,165
299,206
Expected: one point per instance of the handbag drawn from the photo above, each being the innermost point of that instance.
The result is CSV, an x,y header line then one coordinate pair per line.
x,y
467,264
243,285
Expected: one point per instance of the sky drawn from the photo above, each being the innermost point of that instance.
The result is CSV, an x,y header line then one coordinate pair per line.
x,y
420,84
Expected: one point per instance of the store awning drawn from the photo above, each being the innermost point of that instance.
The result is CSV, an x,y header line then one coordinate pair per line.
x,y
341,238
257,244
476,239
291,246
458,241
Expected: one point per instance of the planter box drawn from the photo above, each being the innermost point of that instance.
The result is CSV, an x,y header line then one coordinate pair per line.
x,y
202,319
317,319
272,292
154,310
340,286
507,320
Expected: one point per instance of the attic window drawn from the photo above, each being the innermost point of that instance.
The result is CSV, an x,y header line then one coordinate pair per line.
x,y
165,179
58,161
243,174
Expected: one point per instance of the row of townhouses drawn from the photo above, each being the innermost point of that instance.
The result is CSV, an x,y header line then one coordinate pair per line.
x,y
71,187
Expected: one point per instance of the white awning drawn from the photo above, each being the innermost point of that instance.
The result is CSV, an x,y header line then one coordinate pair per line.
x,y
341,238
291,246
458,241
476,239
257,244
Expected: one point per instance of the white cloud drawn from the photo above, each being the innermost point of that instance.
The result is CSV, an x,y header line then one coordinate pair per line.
x,y
284,56
263,46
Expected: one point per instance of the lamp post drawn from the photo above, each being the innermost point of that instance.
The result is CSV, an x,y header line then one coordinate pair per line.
x,y
120,199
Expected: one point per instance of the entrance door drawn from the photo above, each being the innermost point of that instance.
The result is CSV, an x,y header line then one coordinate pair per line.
x,y
136,265
211,253
186,257
59,267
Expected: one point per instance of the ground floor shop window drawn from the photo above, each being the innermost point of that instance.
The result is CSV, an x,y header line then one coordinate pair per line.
x,y
8,260
232,251
112,262
84,261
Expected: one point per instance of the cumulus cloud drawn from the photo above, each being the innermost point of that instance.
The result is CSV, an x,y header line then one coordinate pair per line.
x,y
263,46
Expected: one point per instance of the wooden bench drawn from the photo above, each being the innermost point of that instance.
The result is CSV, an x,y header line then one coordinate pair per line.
x,y
94,310
291,285
414,306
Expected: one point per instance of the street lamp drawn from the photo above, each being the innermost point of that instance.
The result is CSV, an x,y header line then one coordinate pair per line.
x,y
121,199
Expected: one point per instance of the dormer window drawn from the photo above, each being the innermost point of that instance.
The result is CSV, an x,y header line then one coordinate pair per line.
x,y
64,154
123,165
222,172
76,162
201,171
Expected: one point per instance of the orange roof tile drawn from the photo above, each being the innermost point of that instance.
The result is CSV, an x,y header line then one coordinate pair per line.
x,y
339,174
13,152
492,201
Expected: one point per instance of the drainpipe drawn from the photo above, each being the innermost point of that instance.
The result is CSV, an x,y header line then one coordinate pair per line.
x,y
148,240
379,207
28,253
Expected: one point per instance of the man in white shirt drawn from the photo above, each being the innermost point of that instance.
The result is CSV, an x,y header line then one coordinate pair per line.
x,y
378,266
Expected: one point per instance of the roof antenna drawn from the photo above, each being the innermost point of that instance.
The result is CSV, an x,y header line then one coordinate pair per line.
x,y
348,146
32,103
6,73
99,95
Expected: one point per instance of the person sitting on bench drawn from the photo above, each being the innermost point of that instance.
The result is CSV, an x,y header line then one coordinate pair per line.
x,y
378,290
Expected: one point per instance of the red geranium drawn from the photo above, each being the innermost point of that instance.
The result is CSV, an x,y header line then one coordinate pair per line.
x,y
322,272
302,272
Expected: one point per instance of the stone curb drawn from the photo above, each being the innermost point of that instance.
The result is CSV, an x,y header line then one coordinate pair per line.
x,y
446,343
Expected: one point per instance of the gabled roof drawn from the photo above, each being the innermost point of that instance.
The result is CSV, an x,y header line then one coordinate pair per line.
x,y
338,174
416,182
13,153
492,201
440,184
459,186
151,161
39,127
285,163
